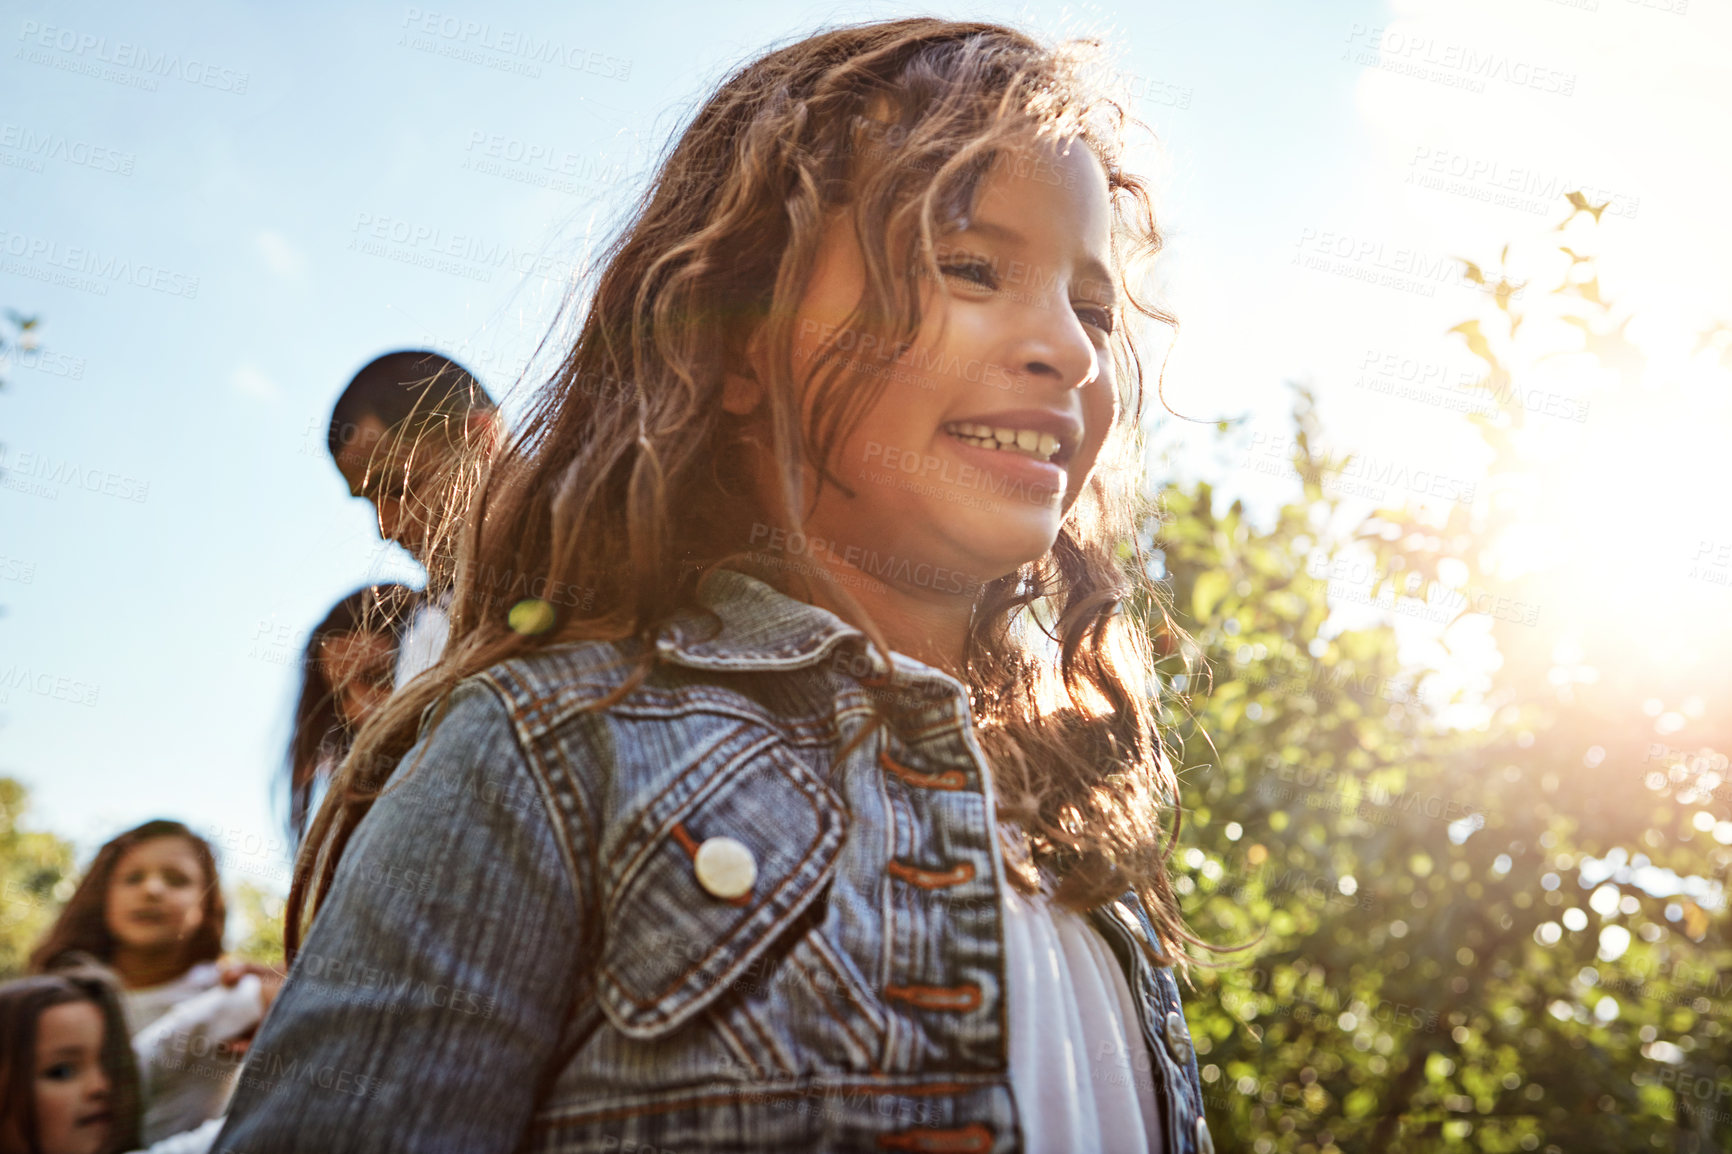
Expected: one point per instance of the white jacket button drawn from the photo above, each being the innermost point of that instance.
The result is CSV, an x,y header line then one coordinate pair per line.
x,y
1178,1038
1205,1140
725,868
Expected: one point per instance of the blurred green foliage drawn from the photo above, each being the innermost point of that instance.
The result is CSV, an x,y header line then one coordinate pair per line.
x,y
256,923
1424,901
36,875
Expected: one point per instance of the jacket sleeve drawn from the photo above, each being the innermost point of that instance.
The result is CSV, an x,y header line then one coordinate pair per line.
x,y
430,997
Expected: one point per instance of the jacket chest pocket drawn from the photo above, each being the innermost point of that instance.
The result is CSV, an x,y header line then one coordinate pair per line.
x,y
716,869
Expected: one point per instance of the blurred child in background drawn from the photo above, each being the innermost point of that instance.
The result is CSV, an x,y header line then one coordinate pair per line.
x,y
347,671
65,1067
150,907
68,1079
397,434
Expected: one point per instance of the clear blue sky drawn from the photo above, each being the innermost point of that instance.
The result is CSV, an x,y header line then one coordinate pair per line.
x,y
299,160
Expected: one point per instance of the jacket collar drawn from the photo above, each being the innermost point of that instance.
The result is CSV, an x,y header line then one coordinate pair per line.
x,y
762,628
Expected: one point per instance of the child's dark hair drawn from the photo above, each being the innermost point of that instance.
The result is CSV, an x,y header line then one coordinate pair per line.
x,y
321,733
636,493
413,386
83,924
22,1004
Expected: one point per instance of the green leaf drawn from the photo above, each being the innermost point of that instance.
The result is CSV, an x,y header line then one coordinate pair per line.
x,y
1211,586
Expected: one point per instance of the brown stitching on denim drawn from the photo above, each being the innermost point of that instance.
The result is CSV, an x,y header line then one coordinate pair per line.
x,y
528,709
732,1040
654,703
584,890
701,963
964,1140
952,999
537,702
756,1096
943,727
766,1038
824,1001
949,779
632,834
931,879
590,884
812,851
820,945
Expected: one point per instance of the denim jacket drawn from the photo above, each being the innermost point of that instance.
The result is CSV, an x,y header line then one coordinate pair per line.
x,y
681,923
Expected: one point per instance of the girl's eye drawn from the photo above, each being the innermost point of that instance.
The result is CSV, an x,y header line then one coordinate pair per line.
x,y
60,1072
978,272
1098,317
176,878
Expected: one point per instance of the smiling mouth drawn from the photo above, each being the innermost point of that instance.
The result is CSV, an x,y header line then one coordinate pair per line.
x,y
1025,442
99,1119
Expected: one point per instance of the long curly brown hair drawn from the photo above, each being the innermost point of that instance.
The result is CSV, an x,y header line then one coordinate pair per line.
x,y
625,480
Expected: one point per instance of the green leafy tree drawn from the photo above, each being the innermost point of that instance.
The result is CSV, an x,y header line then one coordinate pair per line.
x,y
36,875
256,923
1462,936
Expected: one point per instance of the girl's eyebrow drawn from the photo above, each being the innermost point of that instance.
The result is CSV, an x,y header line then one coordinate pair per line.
x,y
987,228
1094,272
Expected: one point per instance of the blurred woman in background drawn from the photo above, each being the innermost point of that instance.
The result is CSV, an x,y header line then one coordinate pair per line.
x,y
346,673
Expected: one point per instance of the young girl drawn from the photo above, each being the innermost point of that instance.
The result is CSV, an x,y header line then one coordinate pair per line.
x,y
68,1083
66,1071
151,909
346,673
837,824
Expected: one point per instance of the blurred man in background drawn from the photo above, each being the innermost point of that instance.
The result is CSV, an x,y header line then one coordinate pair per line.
x,y
398,434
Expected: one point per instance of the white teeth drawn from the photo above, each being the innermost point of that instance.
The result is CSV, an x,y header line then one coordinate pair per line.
x,y
1028,442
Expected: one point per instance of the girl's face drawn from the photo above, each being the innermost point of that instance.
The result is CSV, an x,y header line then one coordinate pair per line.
x,y
156,894
72,1089
988,427
359,668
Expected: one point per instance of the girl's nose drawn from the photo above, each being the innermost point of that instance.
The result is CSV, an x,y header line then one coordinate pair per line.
x,y
1054,348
